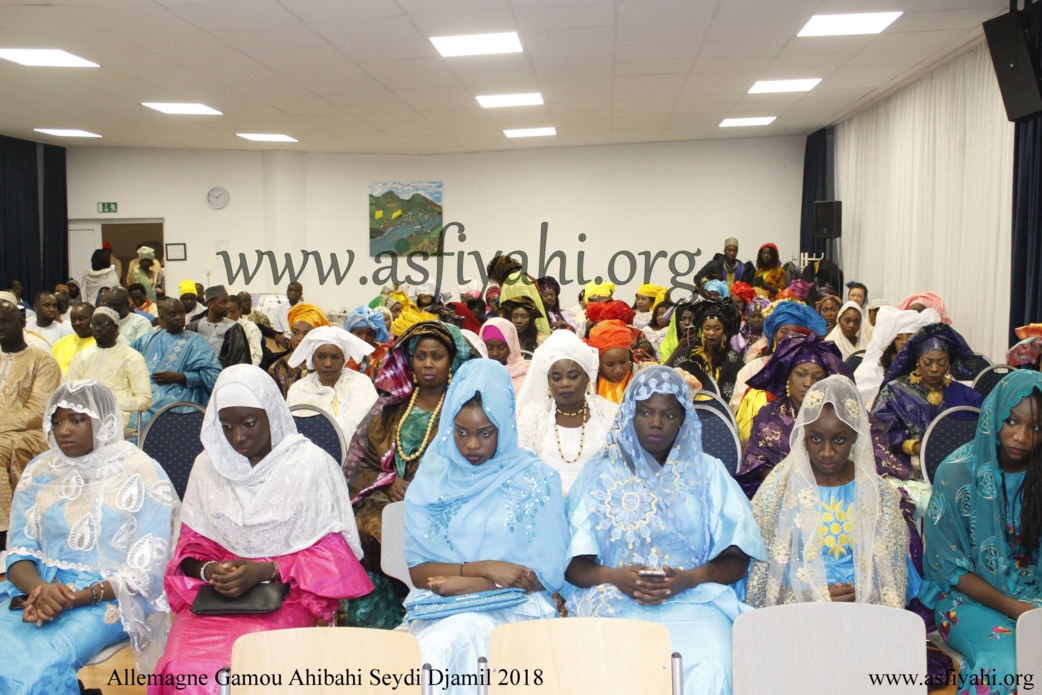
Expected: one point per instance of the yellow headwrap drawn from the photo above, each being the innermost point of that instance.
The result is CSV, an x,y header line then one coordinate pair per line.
x,y
658,292
410,314
309,314
604,289
186,287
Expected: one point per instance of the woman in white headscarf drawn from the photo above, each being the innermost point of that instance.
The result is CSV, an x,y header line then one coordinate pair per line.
x,y
833,528
263,504
331,384
849,335
91,526
560,418
893,327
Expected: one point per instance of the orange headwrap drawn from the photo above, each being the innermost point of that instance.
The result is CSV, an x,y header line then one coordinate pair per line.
x,y
309,314
744,291
609,335
1032,330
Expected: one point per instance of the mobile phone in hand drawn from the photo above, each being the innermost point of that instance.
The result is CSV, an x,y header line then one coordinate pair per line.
x,y
652,573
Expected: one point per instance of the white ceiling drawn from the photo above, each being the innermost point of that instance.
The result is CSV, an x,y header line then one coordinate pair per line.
x,y
361,76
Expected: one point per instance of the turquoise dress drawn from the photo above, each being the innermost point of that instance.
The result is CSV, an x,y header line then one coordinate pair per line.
x,y
973,526
626,509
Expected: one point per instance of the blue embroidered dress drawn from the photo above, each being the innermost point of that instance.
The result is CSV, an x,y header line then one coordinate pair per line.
x,y
973,526
509,508
626,509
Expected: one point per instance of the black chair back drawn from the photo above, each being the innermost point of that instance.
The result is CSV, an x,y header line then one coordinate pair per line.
x,y
854,361
948,431
171,437
990,378
714,401
719,437
321,429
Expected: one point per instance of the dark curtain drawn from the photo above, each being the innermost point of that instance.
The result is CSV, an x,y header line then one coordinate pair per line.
x,y
817,185
1025,305
19,215
55,221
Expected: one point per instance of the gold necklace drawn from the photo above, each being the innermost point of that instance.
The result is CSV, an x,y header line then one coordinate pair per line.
x,y
580,411
426,435
582,434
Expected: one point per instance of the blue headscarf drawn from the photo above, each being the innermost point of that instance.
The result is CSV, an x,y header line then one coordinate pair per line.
x,y
792,313
364,317
683,514
718,286
509,508
966,520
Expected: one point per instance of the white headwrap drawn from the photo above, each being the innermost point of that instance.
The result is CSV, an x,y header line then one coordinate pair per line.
x,y
846,348
119,509
890,323
287,502
561,345
787,508
475,342
353,347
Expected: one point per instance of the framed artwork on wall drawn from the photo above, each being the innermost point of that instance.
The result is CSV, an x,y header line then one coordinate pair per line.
x,y
404,217
176,252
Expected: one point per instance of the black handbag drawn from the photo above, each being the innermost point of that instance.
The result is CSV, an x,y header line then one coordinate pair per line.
x,y
266,597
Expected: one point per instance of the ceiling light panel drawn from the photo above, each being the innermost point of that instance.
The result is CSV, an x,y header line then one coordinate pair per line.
x,y
743,122
848,24
266,137
180,109
66,133
477,44
530,132
45,57
496,101
776,86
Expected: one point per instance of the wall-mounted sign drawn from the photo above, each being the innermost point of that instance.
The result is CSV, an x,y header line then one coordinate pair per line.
x,y
107,207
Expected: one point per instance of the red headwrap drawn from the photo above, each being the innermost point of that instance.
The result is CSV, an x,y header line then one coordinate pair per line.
x,y
610,311
609,335
743,291
470,322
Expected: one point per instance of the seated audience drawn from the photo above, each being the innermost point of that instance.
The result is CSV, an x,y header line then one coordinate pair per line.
x,y
501,343
613,339
331,385
926,300
828,306
263,504
119,367
559,417
833,528
69,346
370,326
522,312
652,500
893,328
45,323
225,336
303,318
254,338
388,445
92,527
982,534
131,326
183,365
716,321
477,471
648,297
849,335
752,326
141,301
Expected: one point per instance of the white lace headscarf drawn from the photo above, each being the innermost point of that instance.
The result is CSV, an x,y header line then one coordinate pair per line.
x,y
119,508
287,502
561,345
788,505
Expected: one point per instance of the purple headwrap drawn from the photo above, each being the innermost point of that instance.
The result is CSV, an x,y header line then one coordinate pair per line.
x,y
796,349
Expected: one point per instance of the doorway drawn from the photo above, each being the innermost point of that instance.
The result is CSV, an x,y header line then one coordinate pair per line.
x,y
85,236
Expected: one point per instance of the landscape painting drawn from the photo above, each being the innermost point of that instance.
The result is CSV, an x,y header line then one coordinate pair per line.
x,y
404,217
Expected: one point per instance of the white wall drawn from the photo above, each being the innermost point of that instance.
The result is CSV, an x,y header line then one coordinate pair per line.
x,y
675,197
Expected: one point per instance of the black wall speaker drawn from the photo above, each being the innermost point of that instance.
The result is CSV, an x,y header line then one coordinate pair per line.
x,y
828,219
1015,66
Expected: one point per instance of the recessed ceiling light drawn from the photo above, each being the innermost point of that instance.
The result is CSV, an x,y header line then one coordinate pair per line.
x,y
848,24
63,133
477,44
739,122
266,137
182,109
772,86
45,57
529,132
496,101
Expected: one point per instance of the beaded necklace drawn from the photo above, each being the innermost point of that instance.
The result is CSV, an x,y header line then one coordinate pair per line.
x,y
582,433
426,435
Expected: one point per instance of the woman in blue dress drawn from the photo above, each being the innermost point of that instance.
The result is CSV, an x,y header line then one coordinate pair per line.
x,y
982,535
91,524
833,528
652,500
481,514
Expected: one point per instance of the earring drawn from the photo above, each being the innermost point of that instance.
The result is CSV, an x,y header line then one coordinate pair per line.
x,y
549,394
788,390
414,379
915,377
948,379
449,381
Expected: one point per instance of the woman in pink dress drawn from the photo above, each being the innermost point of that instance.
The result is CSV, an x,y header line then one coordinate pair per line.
x,y
263,504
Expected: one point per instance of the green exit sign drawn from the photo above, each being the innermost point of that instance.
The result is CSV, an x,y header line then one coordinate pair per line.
x,y
107,207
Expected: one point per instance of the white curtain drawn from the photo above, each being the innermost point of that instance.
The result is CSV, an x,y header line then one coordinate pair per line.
x,y
926,181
